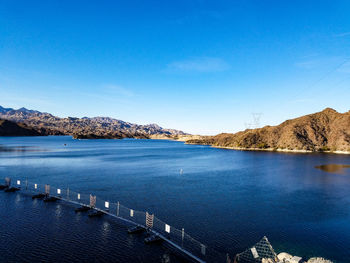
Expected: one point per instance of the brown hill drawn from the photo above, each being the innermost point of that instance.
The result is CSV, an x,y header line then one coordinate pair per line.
x,y
327,130
9,128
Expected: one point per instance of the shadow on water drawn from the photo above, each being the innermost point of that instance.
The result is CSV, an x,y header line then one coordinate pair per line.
x,y
21,149
333,168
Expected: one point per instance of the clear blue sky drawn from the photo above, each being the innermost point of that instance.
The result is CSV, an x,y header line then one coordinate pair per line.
x,y
199,66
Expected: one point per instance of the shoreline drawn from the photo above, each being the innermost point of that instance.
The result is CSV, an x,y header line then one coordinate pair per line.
x,y
278,150
183,139
271,149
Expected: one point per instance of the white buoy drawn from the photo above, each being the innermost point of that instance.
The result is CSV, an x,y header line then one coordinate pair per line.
x,y
167,228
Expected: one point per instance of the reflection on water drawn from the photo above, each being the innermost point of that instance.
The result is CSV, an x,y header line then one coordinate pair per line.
x,y
333,168
20,149
165,258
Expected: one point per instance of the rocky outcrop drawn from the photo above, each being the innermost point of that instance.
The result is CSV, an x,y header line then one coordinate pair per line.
x,y
287,258
84,128
318,260
326,131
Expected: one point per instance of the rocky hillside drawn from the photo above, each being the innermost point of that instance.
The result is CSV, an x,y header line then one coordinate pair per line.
x,y
9,128
97,127
327,130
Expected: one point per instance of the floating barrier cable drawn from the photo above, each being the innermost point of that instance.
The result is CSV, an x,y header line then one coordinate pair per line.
x,y
158,230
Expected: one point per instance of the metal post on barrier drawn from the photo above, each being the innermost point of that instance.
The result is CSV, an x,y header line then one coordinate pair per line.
x,y
8,181
26,184
203,247
68,193
92,201
182,236
118,208
149,220
47,189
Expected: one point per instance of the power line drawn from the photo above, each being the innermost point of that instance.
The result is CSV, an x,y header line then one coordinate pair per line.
x,y
309,87
329,73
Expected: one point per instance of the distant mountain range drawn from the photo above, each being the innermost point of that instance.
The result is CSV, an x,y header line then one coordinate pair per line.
x,y
325,131
42,123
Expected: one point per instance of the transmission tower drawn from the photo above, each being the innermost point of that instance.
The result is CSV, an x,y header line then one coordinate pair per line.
x,y
256,119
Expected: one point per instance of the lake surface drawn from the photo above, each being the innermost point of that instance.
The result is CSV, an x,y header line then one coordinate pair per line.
x,y
226,199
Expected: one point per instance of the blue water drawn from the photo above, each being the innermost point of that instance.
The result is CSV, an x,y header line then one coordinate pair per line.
x,y
226,199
